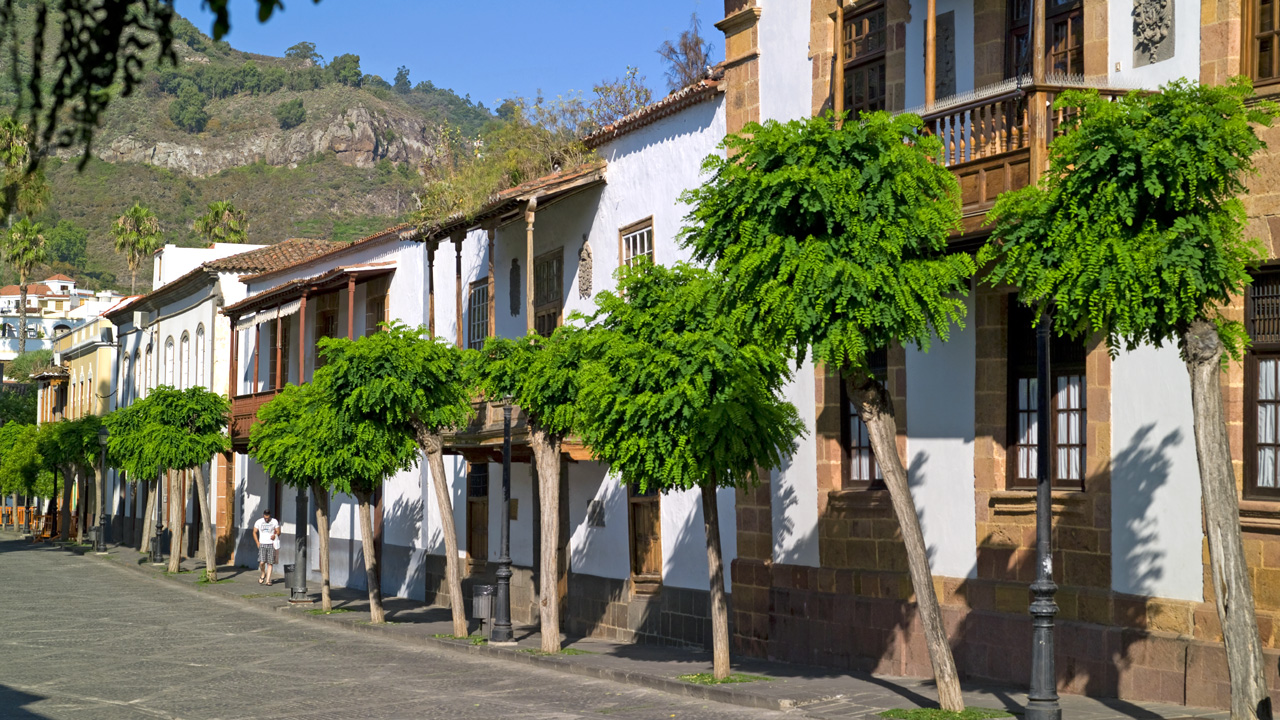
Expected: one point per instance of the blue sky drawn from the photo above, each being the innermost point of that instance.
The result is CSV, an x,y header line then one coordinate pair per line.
x,y
490,50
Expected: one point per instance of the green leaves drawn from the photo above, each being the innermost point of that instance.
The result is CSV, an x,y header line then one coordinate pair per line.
x,y
541,374
671,395
832,240
1137,229
169,429
22,468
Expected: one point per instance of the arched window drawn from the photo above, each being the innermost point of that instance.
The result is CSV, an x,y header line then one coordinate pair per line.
x,y
60,329
200,378
184,361
168,362
148,371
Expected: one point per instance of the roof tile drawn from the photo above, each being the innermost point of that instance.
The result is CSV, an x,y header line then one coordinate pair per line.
x,y
274,257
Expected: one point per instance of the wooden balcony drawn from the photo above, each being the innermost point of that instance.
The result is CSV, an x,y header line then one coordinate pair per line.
x,y
481,439
244,413
988,138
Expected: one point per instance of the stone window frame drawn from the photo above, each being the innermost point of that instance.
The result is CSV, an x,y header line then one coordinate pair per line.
x,y
1265,347
1076,367
1068,12
1251,37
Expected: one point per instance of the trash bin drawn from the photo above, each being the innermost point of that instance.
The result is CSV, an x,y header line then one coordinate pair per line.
x,y
482,597
290,577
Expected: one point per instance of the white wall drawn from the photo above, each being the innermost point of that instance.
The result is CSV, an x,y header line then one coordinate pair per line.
x,y
1155,480
940,425
785,68
172,262
793,487
1186,47
600,551
963,10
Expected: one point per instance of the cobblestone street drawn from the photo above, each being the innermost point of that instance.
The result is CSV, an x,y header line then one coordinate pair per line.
x,y
84,639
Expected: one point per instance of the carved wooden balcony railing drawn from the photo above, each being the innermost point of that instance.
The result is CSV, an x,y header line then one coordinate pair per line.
x,y
481,439
987,140
244,413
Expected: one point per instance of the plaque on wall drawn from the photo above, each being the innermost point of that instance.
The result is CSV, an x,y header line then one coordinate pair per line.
x,y
1152,31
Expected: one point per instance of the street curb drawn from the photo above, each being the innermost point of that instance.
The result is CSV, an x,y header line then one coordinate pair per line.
x,y
649,681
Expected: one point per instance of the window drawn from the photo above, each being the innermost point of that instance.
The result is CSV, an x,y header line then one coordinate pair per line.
x,y
637,242
548,291
478,314
862,46
477,513
646,534
1262,39
278,340
168,362
326,321
1067,414
200,378
1064,39
375,305
1262,385
861,471
184,368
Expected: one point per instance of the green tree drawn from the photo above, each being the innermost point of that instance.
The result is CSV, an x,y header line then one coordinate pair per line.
x,y
129,450
674,397
187,111
22,190
411,384
541,375
137,236
68,243
1137,233
346,70
305,438
23,252
616,99
71,448
831,241
402,85
688,58
18,403
27,364
290,113
305,54
22,469
224,223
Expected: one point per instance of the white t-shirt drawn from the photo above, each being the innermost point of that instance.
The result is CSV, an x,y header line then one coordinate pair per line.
x,y
267,531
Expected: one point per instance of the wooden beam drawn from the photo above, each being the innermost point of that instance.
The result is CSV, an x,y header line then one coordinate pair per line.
x,y
281,372
302,339
930,53
234,388
431,288
493,315
351,308
457,288
1038,111
530,210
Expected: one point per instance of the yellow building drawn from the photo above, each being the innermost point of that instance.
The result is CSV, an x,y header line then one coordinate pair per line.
x,y
83,380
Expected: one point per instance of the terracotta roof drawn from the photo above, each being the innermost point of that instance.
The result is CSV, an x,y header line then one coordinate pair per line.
x,y
395,231
512,199
60,278
274,257
704,89
32,289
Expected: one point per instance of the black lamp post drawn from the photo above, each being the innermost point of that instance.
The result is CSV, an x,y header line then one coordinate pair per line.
x,y
1042,699
100,493
157,553
502,613
301,527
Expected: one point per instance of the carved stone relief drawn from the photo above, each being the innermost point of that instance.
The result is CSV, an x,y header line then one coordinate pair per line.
x,y
1152,31
514,287
584,269
945,79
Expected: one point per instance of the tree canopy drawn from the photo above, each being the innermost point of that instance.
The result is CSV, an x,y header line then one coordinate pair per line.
x,y
224,222
831,238
169,429
1137,230
541,375
673,394
22,468
137,236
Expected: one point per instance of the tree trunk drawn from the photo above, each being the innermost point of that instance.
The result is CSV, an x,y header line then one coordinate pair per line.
x,y
99,497
176,526
22,317
149,516
715,565
546,456
322,530
876,410
82,503
433,445
1231,589
64,517
206,527
377,615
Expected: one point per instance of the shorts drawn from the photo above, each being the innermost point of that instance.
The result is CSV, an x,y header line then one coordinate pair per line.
x,y
267,554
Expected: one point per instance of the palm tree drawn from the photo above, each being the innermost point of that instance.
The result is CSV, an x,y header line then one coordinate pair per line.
x,y
223,223
23,251
137,234
21,190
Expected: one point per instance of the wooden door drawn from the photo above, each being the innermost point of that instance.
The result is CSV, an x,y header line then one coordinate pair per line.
x,y
646,536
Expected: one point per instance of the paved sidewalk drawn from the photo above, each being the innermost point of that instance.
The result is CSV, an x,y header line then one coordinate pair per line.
x,y
806,691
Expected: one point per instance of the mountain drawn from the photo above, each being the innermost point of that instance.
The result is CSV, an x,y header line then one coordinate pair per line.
x,y
307,149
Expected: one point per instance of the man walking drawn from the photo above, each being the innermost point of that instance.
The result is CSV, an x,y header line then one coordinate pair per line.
x,y
266,533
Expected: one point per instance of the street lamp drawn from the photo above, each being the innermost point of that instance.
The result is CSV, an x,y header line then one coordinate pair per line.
x,y
502,613
157,554
99,491
1042,699
301,527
